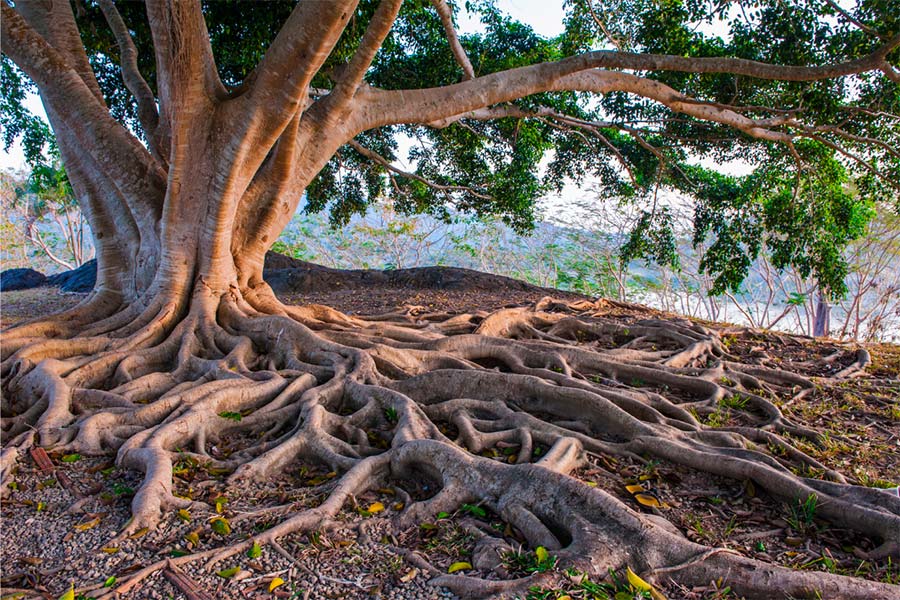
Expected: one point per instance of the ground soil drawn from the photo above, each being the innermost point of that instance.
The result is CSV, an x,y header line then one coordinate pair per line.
x,y
57,525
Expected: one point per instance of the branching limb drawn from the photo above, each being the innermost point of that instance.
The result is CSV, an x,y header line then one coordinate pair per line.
x,y
134,81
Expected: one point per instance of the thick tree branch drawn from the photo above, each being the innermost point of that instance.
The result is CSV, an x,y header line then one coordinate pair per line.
x,y
136,174
186,72
279,85
352,76
596,81
433,104
459,53
134,81
55,22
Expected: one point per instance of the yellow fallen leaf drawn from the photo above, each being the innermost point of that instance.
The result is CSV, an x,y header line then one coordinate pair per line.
x,y
277,582
634,489
541,553
648,500
591,483
193,537
375,507
641,585
184,515
89,525
636,582
398,506
109,549
70,594
565,597
139,533
221,501
459,566
749,488
410,575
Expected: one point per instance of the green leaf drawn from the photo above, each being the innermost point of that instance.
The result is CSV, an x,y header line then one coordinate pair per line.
x,y
70,458
234,416
474,510
254,551
228,573
110,581
541,553
221,525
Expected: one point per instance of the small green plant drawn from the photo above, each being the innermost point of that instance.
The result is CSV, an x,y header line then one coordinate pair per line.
x,y
390,413
730,527
734,401
718,418
538,561
864,478
803,514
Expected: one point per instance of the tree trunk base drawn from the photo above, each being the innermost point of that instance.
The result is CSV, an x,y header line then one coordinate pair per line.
x,y
397,397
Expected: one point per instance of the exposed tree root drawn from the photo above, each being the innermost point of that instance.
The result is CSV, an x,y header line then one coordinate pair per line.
x,y
373,400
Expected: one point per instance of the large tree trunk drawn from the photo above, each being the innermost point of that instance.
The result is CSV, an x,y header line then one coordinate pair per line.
x,y
182,328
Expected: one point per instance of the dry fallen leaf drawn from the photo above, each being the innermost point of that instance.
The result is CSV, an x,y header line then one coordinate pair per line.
x,y
88,525
459,566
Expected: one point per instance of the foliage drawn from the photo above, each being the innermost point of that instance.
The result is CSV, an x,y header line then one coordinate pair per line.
x,y
805,201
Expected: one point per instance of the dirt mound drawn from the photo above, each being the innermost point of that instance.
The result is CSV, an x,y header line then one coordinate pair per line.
x,y
287,275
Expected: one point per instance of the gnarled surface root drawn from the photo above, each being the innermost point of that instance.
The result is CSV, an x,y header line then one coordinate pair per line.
x,y
422,396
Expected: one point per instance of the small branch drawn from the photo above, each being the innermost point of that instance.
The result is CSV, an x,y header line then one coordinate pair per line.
x,y
601,25
180,580
860,161
862,26
374,156
459,53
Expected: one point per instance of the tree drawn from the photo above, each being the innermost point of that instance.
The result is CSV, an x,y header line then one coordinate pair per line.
x,y
46,197
187,185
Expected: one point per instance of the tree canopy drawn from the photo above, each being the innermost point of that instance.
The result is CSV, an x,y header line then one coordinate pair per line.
x,y
823,151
